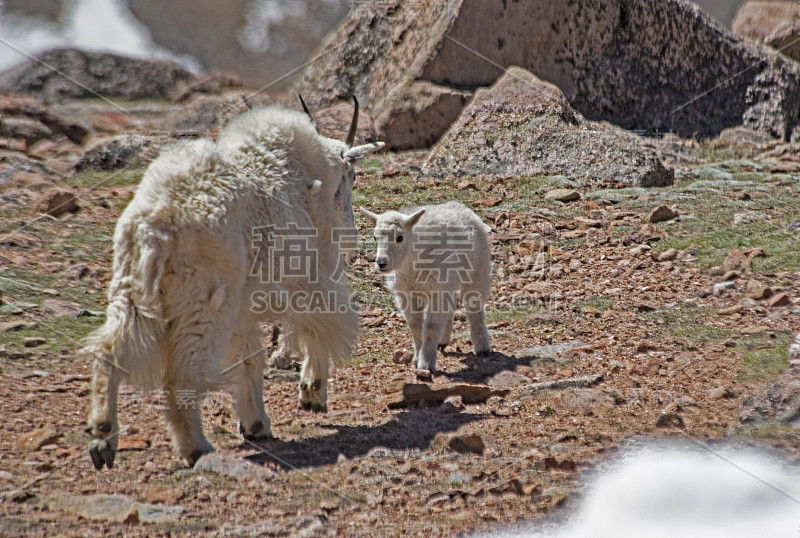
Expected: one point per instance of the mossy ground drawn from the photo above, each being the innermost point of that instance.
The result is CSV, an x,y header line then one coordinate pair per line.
x,y
698,348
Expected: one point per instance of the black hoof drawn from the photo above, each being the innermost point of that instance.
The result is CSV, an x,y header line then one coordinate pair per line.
x,y
97,460
107,454
102,454
194,456
319,408
255,429
305,406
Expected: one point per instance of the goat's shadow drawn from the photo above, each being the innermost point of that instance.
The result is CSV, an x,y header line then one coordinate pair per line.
x,y
409,429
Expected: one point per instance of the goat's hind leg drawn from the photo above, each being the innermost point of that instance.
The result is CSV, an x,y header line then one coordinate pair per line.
x,y
479,333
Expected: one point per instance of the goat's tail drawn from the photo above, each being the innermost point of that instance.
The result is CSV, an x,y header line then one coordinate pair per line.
x,y
131,341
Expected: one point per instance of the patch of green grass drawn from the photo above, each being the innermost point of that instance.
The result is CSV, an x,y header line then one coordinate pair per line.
x,y
373,166
764,355
708,221
755,177
63,334
93,178
782,247
679,315
688,324
772,432
692,334
91,237
719,150
395,192
599,302
375,353
15,284
511,314
530,188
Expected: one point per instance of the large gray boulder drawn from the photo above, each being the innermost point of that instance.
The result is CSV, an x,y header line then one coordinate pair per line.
x,y
26,118
64,73
419,114
522,125
651,66
121,151
774,23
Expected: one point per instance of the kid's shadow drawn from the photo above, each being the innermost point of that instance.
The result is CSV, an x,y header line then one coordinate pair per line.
x,y
479,369
410,429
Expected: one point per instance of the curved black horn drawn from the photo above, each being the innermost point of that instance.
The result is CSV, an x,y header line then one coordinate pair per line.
x,y
351,134
305,108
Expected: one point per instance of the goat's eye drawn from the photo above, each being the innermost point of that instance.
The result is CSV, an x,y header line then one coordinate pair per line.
x,y
399,239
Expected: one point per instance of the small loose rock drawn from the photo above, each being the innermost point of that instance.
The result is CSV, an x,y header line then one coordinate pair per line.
x,y
34,341
669,420
720,393
563,195
36,439
779,299
757,290
56,202
464,444
662,214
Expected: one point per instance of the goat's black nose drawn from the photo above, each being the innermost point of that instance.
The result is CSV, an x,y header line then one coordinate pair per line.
x,y
382,262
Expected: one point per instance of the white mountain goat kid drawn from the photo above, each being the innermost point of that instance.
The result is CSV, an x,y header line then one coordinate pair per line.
x,y
437,253
205,251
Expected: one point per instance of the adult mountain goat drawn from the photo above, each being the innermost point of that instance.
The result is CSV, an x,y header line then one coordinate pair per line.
x,y
437,254
218,238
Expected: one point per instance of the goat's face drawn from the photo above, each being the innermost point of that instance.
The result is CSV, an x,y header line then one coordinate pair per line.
x,y
348,156
393,238
343,197
339,196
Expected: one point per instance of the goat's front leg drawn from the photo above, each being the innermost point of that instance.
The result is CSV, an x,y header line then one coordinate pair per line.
x,y
415,320
103,423
245,359
185,423
435,323
447,332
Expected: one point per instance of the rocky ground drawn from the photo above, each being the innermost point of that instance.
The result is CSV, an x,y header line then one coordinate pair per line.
x,y
618,313
645,288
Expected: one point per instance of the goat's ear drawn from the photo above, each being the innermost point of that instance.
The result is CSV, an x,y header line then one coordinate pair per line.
x,y
369,214
355,154
412,220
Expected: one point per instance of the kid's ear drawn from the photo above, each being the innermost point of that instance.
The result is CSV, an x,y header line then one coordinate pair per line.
x,y
369,214
412,220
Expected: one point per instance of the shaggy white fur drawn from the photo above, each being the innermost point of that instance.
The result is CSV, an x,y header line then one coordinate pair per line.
x,y
435,255
200,258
